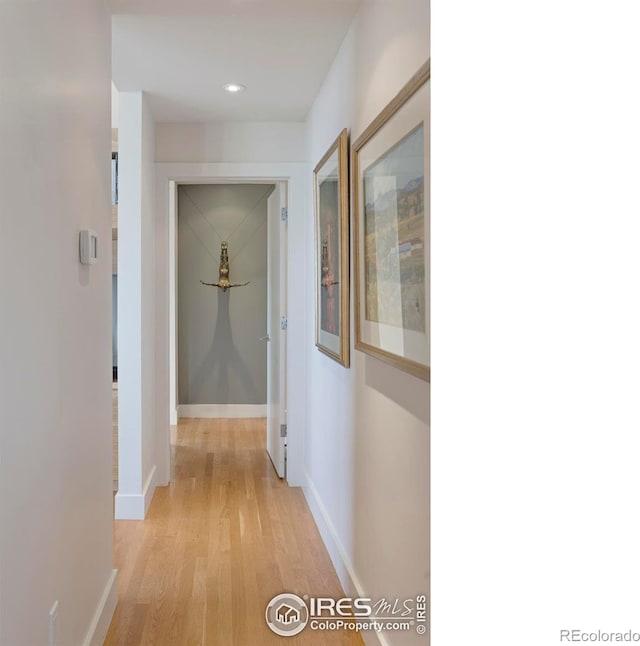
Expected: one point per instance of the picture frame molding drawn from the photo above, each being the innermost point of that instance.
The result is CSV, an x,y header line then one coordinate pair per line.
x,y
341,145
420,78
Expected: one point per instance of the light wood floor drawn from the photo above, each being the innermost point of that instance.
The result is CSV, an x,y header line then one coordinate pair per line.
x,y
225,537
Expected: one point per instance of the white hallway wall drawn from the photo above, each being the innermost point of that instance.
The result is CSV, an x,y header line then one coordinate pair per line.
x,y
367,455
55,385
230,142
137,391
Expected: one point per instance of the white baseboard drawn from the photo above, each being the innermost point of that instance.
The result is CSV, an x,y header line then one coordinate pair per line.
x,y
341,562
104,612
134,506
222,410
173,417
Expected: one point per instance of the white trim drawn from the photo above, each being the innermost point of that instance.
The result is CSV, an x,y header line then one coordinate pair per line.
x,y
168,176
222,410
134,506
104,612
173,303
341,561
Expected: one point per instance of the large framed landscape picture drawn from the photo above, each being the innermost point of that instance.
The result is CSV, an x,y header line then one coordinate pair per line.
x,y
391,201
331,184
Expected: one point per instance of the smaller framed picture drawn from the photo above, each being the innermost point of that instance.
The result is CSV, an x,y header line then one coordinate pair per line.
x,y
331,188
391,211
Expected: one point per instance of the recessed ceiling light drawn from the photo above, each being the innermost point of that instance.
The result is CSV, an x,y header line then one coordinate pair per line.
x,y
234,88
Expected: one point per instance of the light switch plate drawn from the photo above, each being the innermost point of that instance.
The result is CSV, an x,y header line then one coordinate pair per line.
x,y
88,247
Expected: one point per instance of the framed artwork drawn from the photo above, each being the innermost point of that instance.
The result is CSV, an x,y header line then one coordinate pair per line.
x,y
391,203
331,188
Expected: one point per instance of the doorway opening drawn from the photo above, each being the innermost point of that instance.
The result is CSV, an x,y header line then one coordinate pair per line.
x,y
229,277
291,179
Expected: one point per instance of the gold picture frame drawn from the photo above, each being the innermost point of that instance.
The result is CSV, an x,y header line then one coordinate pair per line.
x,y
331,207
391,231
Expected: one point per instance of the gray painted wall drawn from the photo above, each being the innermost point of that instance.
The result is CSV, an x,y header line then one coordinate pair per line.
x,y
220,357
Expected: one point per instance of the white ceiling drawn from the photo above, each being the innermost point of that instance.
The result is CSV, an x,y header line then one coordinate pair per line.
x,y
181,52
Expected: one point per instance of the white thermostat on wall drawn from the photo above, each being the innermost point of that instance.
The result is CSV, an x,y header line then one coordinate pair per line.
x,y
88,247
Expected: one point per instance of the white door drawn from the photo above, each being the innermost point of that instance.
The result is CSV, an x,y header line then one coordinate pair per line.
x,y
276,329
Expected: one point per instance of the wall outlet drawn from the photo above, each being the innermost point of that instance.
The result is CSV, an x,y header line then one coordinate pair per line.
x,y
53,624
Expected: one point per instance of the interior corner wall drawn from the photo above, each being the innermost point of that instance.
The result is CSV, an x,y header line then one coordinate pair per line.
x,y
55,384
367,455
136,319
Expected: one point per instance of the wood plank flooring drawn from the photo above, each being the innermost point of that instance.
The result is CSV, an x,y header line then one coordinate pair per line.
x,y
218,543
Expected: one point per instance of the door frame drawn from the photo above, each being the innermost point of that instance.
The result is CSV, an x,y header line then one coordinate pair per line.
x,y
168,177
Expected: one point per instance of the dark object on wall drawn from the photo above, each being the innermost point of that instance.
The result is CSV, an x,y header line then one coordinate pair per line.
x,y
223,279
